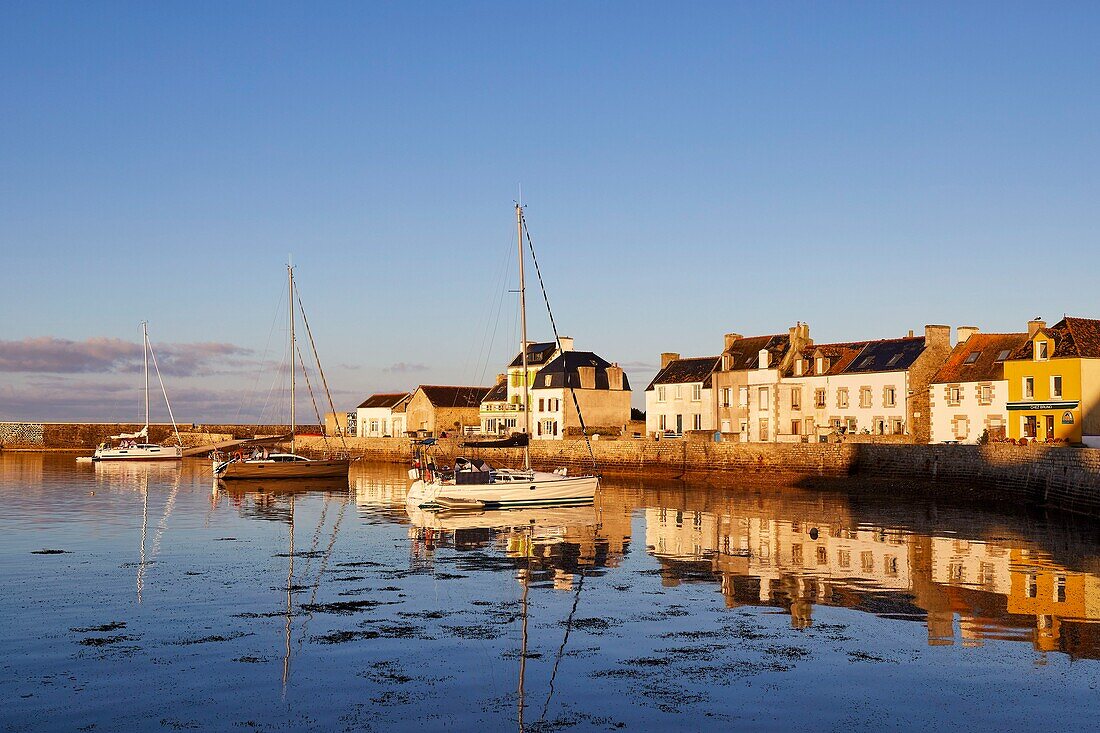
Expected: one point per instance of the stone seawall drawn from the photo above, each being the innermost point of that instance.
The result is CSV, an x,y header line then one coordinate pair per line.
x,y
82,436
1060,477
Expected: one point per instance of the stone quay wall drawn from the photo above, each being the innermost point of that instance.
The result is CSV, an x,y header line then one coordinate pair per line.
x,y
1059,477
86,436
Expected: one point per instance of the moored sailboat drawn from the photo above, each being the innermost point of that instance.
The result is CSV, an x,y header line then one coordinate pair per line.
x,y
264,464
472,484
136,446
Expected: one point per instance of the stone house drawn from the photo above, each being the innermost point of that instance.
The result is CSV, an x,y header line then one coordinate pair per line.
x,y
681,396
969,393
382,415
599,387
874,387
434,409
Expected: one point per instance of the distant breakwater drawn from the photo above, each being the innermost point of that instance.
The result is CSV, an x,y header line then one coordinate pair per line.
x,y
46,436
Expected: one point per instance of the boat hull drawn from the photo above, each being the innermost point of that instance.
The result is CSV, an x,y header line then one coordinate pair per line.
x,y
534,492
159,453
247,470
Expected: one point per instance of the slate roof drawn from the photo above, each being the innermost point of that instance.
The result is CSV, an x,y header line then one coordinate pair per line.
x,y
745,352
448,396
384,399
840,356
986,367
499,392
539,353
887,355
563,371
681,371
1073,337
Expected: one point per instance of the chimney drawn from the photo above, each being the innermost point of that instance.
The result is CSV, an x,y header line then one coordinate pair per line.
x,y
668,357
615,377
566,343
937,336
964,333
1034,326
587,375
728,339
501,378
799,335
910,333
762,358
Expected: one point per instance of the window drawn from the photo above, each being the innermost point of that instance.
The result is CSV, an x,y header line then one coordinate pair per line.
x,y
954,395
868,361
890,565
662,422
897,426
842,397
1056,386
546,380
1060,589
764,397
763,428
972,357
743,397
985,394
696,392
844,558
1031,585
1029,388
894,360
726,392
796,554
819,398
867,561
819,366
889,397
796,427
660,394
1040,349
822,555
853,425
743,428
678,392
1029,425
542,407
697,422
796,398
798,368
1003,354
864,396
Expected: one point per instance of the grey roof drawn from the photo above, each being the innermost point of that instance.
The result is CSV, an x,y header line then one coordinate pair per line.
x,y
563,371
539,353
683,371
888,355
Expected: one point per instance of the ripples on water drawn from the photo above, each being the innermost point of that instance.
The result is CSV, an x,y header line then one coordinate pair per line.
x,y
141,597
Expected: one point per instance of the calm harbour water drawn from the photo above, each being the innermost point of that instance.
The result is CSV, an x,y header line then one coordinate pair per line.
x,y
142,597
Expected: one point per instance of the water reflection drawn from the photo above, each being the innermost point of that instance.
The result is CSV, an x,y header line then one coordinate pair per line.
x,y
794,554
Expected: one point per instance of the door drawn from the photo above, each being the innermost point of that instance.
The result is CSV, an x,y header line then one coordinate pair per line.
x,y
680,424
1050,427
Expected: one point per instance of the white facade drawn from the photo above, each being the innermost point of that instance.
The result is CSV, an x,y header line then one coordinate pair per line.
x,y
962,411
382,422
679,407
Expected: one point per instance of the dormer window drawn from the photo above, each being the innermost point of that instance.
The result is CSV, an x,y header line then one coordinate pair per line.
x,y
1003,354
819,367
1041,350
894,360
725,362
972,357
798,367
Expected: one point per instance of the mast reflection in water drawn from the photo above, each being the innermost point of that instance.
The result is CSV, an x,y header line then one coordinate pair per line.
x,y
661,606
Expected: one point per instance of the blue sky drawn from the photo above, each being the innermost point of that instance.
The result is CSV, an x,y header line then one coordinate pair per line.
x,y
689,170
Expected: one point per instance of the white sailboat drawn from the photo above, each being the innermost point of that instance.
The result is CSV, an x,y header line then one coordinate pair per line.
x,y
136,446
474,484
263,464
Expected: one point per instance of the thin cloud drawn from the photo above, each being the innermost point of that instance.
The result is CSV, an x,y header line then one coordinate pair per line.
x,y
403,367
49,355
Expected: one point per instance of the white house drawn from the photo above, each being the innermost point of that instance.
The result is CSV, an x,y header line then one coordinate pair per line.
x,y
681,396
969,394
382,415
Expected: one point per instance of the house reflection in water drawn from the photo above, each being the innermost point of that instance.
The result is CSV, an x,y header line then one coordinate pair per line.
x,y
792,555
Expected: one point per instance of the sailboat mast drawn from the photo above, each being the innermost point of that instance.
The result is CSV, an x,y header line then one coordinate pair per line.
x,y
145,349
523,338
290,281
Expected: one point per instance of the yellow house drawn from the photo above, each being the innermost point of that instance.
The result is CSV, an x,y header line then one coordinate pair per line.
x,y
1054,383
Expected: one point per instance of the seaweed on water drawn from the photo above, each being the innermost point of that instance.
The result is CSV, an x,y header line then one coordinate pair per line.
x,y
102,628
340,637
104,640
49,551
345,608
212,638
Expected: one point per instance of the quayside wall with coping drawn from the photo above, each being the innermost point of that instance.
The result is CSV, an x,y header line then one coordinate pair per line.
x,y
86,436
1060,477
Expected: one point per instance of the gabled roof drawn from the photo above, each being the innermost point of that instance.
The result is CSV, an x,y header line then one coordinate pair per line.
x,y
985,367
744,353
682,371
1073,337
499,392
448,396
385,399
839,355
539,353
563,371
887,355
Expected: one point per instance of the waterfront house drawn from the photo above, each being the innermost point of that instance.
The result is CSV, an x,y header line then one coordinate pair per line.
x,y
872,387
969,394
746,378
382,415
340,423
502,410
584,379
435,409
1054,383
681,396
